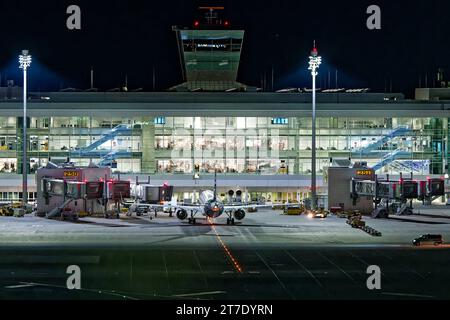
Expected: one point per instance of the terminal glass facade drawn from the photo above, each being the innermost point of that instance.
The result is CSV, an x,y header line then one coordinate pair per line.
x,y
234,145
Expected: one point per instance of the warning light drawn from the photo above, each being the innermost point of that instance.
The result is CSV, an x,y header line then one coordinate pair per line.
x,y
226,23
196,23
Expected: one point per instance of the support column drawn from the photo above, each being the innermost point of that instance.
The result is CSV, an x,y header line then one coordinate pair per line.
x,y
148,162
297,147
446,150
19,145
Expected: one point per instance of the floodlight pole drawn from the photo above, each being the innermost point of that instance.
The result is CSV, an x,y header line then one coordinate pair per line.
x,y
24,63
314,62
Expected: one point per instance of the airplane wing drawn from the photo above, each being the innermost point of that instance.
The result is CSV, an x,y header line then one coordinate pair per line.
x,y
134,206
187,207
232,207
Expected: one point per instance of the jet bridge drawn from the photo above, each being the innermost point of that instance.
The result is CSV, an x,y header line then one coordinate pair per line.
x,y
58,183
339,178
389,196
431,189
78,189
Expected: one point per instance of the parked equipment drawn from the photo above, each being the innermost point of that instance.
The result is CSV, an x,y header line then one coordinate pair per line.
x,y
6,210
294,210
355,221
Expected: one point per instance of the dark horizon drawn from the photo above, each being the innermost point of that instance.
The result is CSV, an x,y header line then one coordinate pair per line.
x,y
119,39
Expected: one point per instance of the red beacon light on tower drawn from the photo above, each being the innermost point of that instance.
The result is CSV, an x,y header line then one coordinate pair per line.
x,y
226,23
196,23
314,51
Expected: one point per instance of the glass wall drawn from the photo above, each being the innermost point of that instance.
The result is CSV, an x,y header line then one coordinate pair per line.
x,y
256,145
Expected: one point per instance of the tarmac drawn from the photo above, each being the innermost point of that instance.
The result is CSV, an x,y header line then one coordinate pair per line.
x,y
265,256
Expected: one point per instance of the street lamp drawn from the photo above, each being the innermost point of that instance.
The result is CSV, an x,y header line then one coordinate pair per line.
x,y
314,62
24,62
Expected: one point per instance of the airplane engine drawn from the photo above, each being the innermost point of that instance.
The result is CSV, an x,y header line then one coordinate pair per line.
x,y
182,214
238,196
239,214
230,195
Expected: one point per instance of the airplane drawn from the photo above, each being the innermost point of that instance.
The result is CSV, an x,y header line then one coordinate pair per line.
x,y
209,205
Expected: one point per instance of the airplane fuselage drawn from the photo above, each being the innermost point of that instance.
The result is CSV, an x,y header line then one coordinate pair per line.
x,y
212,207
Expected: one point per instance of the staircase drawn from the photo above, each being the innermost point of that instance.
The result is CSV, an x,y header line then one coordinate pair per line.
x,y
390,157
418,166
106,155
113,155
399,131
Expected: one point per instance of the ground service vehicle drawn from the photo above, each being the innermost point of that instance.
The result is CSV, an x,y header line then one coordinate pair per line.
x,y
428,239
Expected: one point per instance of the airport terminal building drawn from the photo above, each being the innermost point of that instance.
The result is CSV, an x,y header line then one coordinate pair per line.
x,y
244,136
255,140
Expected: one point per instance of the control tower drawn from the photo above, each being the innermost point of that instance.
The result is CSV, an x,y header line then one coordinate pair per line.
x,y
210,52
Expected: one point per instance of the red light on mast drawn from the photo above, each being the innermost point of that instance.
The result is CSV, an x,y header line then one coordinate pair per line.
x,y
314,51
196,23
226,23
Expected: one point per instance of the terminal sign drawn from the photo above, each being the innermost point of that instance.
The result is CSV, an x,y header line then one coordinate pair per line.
x,y
280,121
70,174
364,172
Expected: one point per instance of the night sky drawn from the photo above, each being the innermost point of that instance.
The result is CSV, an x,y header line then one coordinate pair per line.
x,y
130,37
